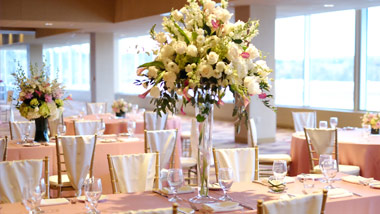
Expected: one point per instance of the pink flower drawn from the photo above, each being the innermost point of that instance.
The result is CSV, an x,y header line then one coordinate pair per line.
x,y
245,55
144,94
28,96
182,111
69,97
220,102
246,102
139,71
39,93
57,94
262,95
48,98
215,24
185,94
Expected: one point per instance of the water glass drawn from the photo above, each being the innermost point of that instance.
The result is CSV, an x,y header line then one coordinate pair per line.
x,y
280,169
333,122
38,192
329,169
308,181
323,124
135,108
175,180
226,178
93,191
366,131
102,128
61,129
27,132
131,126
27,198
322,158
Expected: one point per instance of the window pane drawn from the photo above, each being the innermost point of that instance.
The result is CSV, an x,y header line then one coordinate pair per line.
x,y
289,46
370,99
9,60
332,49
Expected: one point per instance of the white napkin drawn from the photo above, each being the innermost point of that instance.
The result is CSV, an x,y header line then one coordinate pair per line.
x,y
54,201
127,140
181,190
356,179
338,193
225,206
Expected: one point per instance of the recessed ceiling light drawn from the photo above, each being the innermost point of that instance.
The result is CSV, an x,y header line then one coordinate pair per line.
x,y
48,24
328,5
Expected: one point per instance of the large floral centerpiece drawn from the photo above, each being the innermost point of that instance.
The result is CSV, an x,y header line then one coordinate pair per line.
x,y
372,119
120,107
39,98
200,56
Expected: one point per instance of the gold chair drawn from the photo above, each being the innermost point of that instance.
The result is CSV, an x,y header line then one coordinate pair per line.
x,y
61,181
16,129
5,148
168,148
86,127
316,144
221,160
261,204
114,176
152,121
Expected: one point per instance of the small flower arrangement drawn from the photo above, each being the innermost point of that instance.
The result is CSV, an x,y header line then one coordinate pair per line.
x,y
120,106
372,119
38,95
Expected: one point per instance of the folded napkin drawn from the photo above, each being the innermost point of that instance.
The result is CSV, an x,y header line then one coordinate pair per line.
x,y
287,180
225,206
357,179
54,201
338,193
181,190
108,140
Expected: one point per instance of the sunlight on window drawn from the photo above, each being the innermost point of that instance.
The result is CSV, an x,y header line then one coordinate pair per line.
x,y
9,60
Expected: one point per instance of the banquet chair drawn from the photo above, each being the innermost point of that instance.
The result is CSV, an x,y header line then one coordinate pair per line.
x,y
96,108
134,172
310,204
16,175
190,163
16,129
325,141
153,121
304,120
163,141
244,163
265,160
3,148
74,162
86,127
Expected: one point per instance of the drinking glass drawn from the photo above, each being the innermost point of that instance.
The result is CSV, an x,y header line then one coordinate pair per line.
x,y
323,124
280,169
329,169
366,131
135,108
333,122
27,198
102,128
322,158
61,129
93,191
38,192
27,132
175,180
131,127
82,112
225,178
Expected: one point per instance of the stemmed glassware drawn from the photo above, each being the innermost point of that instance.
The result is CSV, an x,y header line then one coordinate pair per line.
x,y
61,129
333,122
102,128
93,191
226,180
329,169
366,131
323,124
82,112
131,126
175,180
27,132
135,108
322,158
280,169
32,196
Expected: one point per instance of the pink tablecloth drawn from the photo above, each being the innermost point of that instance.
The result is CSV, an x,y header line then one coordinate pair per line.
x,y
353,150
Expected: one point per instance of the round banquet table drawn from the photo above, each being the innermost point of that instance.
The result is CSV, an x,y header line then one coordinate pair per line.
x,y
354,149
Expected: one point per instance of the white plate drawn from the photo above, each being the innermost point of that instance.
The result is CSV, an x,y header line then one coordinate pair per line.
x,y
186,210
83,198
124,134
31,145
214,186
375,185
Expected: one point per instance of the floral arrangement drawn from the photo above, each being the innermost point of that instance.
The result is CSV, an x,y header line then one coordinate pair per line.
x,y
39,96
201,55
120,106
372,119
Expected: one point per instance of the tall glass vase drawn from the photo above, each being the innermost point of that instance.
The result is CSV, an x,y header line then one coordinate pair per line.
x,y
41,130
204,156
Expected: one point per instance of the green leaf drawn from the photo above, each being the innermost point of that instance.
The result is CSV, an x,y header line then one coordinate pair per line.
x,y
154,63
237,41
187,40
194,35
152,32
200,118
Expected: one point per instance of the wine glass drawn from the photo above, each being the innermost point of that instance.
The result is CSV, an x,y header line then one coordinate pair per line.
x,y
175,180
225,178
27,198
102,127
82,112
322,158
135,108
27,132
333,122
366,131
323,124
61,129
38,192
131,127
280,169
93,191
329,169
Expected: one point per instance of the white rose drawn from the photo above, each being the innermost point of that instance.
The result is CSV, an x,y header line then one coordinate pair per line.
x,y
252,84
177,15
209,5
212,58
155,92
228,70
173,67
152,72
220,66
200,39
180,47
166,61
167,51
192,50
188,68
200,31
170,77
253,52
206,71
161,37
233,52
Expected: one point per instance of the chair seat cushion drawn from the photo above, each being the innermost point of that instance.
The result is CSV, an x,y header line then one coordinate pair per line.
x,y
188,162
54,180
272,157
346,169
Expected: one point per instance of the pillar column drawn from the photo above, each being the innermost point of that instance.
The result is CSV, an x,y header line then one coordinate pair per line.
x,y
34,54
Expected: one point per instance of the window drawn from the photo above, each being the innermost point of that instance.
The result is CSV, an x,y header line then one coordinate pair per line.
x,y
70,64
132,53
9,60
370,73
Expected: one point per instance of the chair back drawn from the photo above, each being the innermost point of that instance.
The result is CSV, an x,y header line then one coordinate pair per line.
x,y
134,172
243,161
252,133
17,129
304,120
3,148
16,175
310,204
6,113
153,121
87,127
76,158
164,142
96,108
321,141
